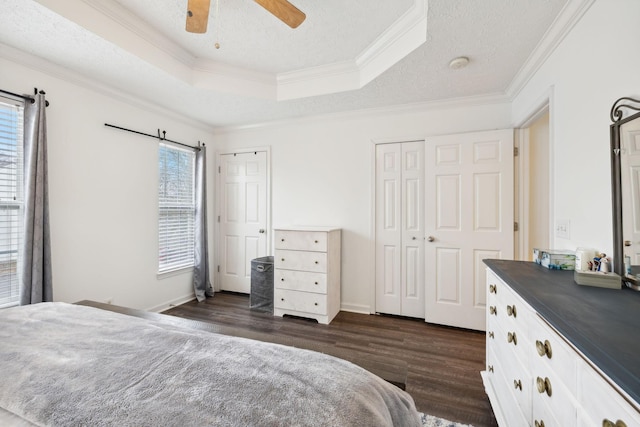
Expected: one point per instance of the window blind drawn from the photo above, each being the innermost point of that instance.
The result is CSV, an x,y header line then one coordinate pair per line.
x,y
176,208
11,197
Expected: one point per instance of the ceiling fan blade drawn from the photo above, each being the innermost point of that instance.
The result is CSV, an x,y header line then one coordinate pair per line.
x,y
284,11
197,15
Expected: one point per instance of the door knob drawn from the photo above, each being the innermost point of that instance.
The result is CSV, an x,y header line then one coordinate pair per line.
x,y
627,242
261,231
431,238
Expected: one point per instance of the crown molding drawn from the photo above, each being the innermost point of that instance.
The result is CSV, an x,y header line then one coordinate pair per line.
x,y
116,12
403,36
412,108
61,73
569,16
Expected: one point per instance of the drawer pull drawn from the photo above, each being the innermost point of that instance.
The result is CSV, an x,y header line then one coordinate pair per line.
x,y
539,423
544,348
491,335
315,241
511,310
315,283
315,303
282,280
316,262
282,259
511,337
281,299
608,423
517,384
493,289
282,240
492,310
544,385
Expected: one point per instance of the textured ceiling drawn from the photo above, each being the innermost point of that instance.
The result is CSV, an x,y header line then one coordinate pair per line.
x,y
497,35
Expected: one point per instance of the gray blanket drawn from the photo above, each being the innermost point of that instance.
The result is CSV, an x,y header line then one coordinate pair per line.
x,y
69,365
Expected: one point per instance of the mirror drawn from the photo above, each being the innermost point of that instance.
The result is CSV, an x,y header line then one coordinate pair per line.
x,y
625,181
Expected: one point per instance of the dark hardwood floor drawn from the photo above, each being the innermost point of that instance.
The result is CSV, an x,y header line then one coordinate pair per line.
x,y
441,365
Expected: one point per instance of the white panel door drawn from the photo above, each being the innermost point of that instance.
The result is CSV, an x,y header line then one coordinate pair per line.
x,y
243,217
469,217
400,229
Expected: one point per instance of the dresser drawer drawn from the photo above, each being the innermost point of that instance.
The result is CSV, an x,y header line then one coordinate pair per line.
x,y
560,402
549,352
507,404
600,401
516,374
300,281
300,260
305,302
301,240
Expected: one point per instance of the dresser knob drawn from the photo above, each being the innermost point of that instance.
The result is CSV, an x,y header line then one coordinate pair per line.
x,y
282,280
543,348
511,310
282,240
511,337
315,241
492,310
315,283
316,262
491,335
493,289
281,299
539,423
315,303
608,423
282,259
517,384
543,385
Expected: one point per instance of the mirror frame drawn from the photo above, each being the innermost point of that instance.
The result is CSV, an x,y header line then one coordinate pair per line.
x,y
621,107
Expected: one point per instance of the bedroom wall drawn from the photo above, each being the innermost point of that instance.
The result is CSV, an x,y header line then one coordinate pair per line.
x,y
596,64
323,170
103,189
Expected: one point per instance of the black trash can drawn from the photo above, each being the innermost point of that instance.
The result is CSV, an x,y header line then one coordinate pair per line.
x,y
261,297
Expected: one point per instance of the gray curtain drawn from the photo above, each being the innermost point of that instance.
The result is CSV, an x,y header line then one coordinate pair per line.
x,y
35,275
201,282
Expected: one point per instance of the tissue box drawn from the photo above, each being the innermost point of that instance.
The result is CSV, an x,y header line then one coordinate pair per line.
x,y
559,260
537,255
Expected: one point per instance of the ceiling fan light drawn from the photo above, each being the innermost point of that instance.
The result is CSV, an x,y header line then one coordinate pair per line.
x,y
459,62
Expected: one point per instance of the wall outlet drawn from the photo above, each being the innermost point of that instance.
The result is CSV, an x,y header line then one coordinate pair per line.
x,y
563,228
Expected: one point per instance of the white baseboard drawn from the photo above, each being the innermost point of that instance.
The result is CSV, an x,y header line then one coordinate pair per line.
x,y
170,304
356,308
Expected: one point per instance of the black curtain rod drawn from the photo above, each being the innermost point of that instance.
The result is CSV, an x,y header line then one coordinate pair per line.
x,y
161,138
26,97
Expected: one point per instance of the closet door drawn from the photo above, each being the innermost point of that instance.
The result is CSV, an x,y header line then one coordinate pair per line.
x,y
469,217
243,217
400,229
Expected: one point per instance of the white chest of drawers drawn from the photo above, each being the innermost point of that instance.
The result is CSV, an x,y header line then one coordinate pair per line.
x,y
307,272
535,377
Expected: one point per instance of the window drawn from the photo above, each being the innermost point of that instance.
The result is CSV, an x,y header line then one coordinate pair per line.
x,y
176,194
11,197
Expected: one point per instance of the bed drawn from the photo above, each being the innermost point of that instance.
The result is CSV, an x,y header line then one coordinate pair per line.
x,y
72,365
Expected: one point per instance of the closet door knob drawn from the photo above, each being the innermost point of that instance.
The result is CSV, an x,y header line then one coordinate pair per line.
x,y
431,239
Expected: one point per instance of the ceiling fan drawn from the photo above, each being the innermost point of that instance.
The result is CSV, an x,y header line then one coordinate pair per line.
x,y
198,13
